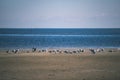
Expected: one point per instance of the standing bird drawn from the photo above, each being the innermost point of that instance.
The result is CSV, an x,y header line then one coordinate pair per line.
x,y
92,50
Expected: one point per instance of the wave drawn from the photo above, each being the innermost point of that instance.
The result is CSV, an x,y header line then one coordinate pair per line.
x,y
53,35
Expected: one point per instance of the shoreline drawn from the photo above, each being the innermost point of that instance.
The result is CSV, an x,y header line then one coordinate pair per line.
x,y
86,51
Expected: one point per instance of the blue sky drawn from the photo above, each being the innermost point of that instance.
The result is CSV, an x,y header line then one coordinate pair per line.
x,y
59,13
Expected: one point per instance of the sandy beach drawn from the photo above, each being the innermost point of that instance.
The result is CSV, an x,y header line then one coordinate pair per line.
x,y
55,66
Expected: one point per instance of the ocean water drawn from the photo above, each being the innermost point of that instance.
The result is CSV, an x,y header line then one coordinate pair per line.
x,y
59,38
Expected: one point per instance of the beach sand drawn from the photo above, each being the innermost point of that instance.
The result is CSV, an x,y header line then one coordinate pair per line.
x,y
30,65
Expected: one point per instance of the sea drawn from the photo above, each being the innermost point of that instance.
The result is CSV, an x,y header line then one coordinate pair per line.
x,y
59,38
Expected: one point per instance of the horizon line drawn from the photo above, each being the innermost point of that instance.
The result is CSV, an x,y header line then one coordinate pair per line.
x,y
60,28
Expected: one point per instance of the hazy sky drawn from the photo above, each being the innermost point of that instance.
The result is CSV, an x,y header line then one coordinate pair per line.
x,y
60,13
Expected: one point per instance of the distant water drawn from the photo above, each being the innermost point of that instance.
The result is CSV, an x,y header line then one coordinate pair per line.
x,y
57,38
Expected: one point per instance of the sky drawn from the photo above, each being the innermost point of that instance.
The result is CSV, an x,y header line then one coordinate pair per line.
x,y
59,13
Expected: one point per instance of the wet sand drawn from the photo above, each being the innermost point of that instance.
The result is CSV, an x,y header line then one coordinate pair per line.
x,y
46,66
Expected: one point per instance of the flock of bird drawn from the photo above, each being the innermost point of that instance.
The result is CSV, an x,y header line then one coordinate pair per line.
x,y
93,51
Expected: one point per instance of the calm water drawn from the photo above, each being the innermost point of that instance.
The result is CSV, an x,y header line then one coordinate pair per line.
x,y
52,38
